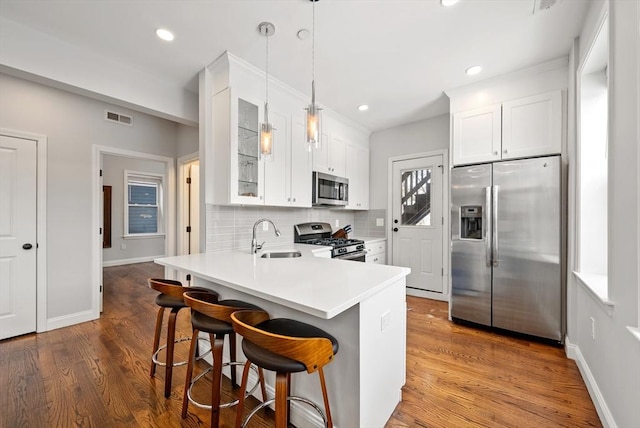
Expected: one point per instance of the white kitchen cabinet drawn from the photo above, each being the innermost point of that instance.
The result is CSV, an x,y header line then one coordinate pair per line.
x,y
532,126
238,172
376,251
277,166
330,156
476,135
300,165
525,127
357,171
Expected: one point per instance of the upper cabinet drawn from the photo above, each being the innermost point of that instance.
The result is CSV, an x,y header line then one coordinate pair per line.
x,y
530,126
330,157
357,171
232,94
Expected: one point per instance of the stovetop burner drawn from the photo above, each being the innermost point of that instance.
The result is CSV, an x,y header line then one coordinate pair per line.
x,y
334,242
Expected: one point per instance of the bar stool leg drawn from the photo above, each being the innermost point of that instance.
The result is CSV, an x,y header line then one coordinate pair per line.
x,y
217,344
243,388
192,356
156,339
325,396
171,337
232,357
281,400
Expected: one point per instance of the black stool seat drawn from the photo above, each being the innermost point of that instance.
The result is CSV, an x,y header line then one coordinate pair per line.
x,y
207,324
286,327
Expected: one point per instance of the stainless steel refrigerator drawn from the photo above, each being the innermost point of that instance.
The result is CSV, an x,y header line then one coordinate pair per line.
x,y
506,256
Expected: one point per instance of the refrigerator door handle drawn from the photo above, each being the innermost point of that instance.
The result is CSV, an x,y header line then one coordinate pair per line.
x,y
495,253
487,232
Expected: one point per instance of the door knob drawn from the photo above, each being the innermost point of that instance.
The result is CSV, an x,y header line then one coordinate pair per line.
x,y
395,229
27,246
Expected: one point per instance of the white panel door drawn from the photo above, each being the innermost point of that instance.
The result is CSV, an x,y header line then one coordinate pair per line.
x,y
417,221
194,208
17,236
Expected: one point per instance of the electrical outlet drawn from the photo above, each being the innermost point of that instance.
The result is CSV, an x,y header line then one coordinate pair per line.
x,y
379,222
385,320
123,246
337,223
593,328
265,226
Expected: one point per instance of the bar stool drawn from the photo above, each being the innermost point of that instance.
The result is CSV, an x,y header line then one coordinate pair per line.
x,y
212,316
285,346
170,297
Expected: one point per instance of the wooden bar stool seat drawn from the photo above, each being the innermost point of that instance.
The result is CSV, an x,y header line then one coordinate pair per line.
x,y
208,315
284,346
170,297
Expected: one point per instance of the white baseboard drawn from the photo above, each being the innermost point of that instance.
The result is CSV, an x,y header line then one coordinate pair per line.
x,y
573,352
71,319
427,294
302,415
130,261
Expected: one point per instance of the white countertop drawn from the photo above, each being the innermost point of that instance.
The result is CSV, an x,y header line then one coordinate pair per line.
x,y
318,286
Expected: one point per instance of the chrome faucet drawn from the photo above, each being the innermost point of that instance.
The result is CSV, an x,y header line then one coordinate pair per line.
x,y
254,243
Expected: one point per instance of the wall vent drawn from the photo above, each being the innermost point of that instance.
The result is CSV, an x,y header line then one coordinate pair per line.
x,y
123,119
542,5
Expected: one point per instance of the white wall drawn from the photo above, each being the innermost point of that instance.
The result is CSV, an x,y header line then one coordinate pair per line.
x,y
188,142
417,137
113,168
73,124
610,363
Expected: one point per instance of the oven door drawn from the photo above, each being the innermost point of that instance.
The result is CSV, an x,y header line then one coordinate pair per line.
x,y
358,256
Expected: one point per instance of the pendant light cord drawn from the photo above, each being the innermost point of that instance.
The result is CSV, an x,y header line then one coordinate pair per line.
x,y
313,41
266,74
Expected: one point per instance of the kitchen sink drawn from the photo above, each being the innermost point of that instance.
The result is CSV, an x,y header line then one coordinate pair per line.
x,y
280,254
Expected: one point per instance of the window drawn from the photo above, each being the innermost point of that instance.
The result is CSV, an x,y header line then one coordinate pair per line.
x,y
143,204
592,159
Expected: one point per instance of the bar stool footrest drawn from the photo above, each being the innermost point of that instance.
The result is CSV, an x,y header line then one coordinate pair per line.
x,y
223,405
289,398
155,360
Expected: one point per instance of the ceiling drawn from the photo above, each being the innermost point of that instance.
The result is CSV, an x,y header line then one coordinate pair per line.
x,y
397,56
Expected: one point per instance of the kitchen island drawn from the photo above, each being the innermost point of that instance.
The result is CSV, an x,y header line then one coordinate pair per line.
x,y
362,305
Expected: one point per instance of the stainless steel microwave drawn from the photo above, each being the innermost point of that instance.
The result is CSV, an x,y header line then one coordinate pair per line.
x,y
329,190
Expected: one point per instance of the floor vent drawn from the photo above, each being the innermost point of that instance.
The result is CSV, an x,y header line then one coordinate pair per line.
x,y
118,118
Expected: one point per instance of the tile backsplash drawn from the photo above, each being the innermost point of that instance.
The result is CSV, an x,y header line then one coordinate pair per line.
x,y
230,227
365,223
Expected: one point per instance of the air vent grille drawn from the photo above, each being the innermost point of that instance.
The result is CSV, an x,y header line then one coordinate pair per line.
x,y
542,5
123,119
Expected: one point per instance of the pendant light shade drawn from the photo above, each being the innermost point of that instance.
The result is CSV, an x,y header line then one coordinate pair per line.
x,y
267,29
313,130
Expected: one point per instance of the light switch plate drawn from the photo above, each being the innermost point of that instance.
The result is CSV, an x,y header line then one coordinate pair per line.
x,y
379,222
337,223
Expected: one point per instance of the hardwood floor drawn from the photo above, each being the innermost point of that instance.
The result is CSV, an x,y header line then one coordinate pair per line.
x,y
96,373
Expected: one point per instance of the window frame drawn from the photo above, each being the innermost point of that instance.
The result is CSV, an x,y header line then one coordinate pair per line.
x,y
151,179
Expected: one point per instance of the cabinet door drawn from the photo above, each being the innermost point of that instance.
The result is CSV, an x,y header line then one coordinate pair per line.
x,y
300,168
476,135
246,178
337,156
276,167
357,171
321,155
532,126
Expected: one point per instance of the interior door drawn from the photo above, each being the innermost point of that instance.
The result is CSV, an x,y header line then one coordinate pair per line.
x,y
417,221
17,236
194,208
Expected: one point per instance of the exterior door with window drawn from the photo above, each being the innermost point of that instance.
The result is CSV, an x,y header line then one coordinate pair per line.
x,y
417,222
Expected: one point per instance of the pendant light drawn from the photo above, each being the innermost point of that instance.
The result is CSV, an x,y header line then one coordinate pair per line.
x,y
267,29
313,129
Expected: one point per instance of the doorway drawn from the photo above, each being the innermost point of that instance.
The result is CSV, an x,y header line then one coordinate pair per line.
x,y
418,220
22,233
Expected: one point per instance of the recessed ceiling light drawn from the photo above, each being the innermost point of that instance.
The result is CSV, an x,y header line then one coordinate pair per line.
x,y
164,34
473,70
363,107
447,3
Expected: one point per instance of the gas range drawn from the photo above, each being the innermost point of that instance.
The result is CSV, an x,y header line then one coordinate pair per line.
x,y
320,234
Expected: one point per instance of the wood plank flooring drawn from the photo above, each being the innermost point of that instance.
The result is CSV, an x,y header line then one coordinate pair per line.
x,y
96,373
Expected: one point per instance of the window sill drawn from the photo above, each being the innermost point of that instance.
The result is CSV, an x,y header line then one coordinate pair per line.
x,y
635,331
597,286
144,236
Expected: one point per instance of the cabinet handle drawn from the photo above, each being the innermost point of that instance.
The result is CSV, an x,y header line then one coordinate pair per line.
x,y
288,199
505,151
294,199
495,153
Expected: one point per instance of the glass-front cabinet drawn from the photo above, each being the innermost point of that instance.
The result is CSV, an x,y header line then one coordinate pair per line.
x,y
248,151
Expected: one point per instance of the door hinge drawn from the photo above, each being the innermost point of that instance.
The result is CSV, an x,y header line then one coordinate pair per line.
x,y
101,288
441,271
188,277
100,231
100,173
442,218
188,229
188,180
